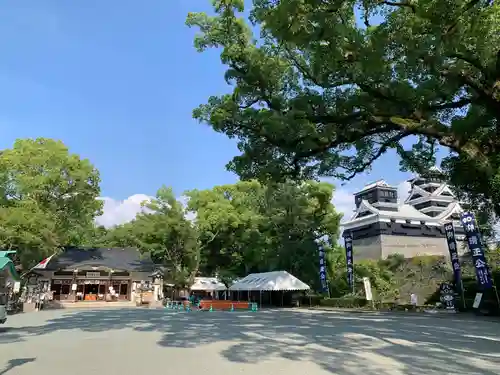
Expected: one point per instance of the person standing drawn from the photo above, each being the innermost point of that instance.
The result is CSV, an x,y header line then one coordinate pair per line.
x,y
414,300
42,301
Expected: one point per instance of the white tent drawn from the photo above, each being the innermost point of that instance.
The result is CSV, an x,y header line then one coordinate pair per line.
x,y
269,281
208,284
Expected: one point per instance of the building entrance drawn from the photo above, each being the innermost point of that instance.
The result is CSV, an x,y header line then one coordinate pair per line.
x,y
105,289
91,292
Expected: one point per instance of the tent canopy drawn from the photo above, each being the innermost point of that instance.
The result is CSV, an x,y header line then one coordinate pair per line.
x,y
207,284
269,281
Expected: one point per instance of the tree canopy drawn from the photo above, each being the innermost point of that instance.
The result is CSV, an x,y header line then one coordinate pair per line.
x,y
328,86
233,230
249,227
165,233
47,198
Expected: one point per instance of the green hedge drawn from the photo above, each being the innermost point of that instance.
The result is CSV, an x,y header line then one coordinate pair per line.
x,y
312,300
344,302
360,302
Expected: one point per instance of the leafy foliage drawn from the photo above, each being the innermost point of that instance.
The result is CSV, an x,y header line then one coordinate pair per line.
x,y
165,233
322,92
248,227
392,279
47,198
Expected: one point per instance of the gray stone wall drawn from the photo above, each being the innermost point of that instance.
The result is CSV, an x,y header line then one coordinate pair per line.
x,y
410,246
380,247
367,248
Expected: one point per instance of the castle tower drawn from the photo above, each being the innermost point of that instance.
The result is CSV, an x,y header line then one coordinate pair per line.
x,y
433,197
382,226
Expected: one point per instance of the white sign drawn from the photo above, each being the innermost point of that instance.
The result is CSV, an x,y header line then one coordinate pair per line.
x,y
73,287
93,274
368,288
413,299
17,287
477,300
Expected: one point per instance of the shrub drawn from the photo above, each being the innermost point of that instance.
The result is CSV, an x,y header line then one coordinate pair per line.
x,y
344,302
312,300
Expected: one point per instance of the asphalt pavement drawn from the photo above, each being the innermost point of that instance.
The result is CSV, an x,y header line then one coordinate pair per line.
x,y
141,341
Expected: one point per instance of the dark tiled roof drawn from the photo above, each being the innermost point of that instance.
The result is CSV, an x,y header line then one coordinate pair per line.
x,y
126,259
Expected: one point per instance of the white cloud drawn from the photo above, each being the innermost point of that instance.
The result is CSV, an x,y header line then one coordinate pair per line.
x,y
343,200
403,191
117,212
191,216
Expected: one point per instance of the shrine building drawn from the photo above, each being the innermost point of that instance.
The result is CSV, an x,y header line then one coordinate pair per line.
x,y
96,274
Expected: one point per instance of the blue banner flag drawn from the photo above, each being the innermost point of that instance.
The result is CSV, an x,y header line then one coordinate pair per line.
x,y
476,248
322,269
349,261
452,247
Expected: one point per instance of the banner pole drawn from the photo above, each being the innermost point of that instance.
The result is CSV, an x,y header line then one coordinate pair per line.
x,y
496,294
462,292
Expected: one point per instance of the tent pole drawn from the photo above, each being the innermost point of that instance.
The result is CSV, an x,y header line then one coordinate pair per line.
x,y
282,296
260,299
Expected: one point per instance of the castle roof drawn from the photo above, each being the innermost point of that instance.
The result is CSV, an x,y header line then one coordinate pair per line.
x,y
405,212
379,183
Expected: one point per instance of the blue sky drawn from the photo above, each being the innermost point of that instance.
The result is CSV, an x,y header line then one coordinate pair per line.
x,y
117,82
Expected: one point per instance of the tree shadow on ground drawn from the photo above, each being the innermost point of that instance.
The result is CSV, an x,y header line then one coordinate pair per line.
x,y
16,362
342,343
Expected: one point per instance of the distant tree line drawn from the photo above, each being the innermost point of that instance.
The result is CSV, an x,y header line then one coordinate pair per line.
x,y
49,200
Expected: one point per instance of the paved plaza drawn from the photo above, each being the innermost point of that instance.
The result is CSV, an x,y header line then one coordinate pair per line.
x,y
292,342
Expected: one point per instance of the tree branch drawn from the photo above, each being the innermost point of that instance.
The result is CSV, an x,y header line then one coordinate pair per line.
x,y
308,75
382,150
451,105
403,4
484,94
471,61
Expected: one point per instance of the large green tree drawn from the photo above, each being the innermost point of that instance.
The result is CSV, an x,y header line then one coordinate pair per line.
x,y
249,227
47,198
331,85
164,232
